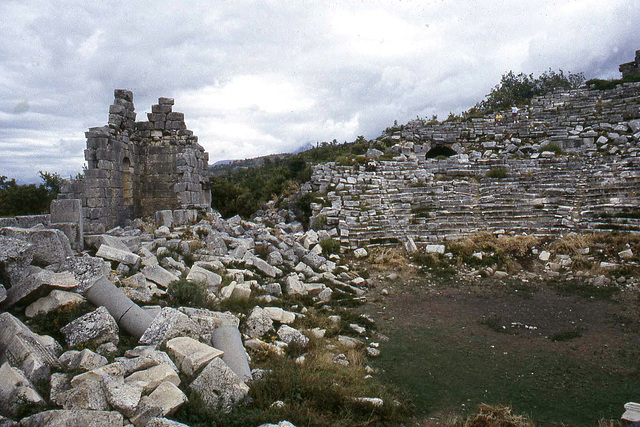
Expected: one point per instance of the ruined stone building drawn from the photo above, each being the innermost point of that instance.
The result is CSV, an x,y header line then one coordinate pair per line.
x,y
631,68
137,168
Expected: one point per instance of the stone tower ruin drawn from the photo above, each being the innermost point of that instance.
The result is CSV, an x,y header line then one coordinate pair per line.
x,y
632,68
137,168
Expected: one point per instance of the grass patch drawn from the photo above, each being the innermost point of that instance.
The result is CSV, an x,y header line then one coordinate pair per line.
x,y
553,147
585,290
492,321
318,392
50,323
183,292
435,264
330,246
447,369
566,335
497,172
421,211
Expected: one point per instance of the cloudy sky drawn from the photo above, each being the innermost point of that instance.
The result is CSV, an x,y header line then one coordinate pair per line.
x,y
261,77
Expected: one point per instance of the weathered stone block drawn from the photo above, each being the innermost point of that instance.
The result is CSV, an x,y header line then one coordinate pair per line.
x,y
96,327
219,387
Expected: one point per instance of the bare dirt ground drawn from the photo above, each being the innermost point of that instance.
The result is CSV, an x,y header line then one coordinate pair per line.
x,y
550,349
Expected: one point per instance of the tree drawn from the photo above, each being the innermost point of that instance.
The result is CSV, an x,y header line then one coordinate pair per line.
x,y
28,199
519,89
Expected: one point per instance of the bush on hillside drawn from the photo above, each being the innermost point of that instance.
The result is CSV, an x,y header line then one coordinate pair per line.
x,y
519,89
28,199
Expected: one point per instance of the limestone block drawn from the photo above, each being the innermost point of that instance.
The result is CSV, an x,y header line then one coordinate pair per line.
x,y
96,328
544,256
96,374
28,289
279,315
219,387
262,266
314,289
15,256
49,246
631,412
33,354
626,254
235,290
16,392
113,242
258,323
164,218
86,270
143,357
410,245
163,401
360,253
190,355
303,268
118,255
3,293
290,335
208,321
121,396
313,260
87,394
162,231
294,286
273,289
85,360
202,275
55,300
151,378
434,249
169,323
60,417
275,258
159,275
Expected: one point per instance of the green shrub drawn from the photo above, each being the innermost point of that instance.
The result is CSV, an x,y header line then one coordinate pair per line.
x,y
330,246
319,222
497,172
50,323
28,199
599,84
552,146
185,293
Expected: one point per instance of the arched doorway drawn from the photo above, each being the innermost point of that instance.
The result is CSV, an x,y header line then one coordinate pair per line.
x,y
440,150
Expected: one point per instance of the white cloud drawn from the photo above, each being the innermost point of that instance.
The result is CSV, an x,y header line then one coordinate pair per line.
x,y
255,77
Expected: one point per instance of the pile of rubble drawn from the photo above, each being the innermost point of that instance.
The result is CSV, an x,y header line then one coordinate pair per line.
x,y
133,358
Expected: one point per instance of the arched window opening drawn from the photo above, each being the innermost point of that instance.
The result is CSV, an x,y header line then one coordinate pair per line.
x,y
440,150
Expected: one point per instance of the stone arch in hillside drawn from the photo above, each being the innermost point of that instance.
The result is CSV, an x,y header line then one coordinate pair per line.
x,y
440,150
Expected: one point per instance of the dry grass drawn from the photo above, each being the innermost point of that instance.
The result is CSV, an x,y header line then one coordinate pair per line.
x,y
496,416
383,258
572,243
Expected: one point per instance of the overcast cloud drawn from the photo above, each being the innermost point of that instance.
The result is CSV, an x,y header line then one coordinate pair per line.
x,y
262,77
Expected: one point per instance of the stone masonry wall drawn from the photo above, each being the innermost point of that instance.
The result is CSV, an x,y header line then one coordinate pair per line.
x,y
561,118
137,168
434,200
594,184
